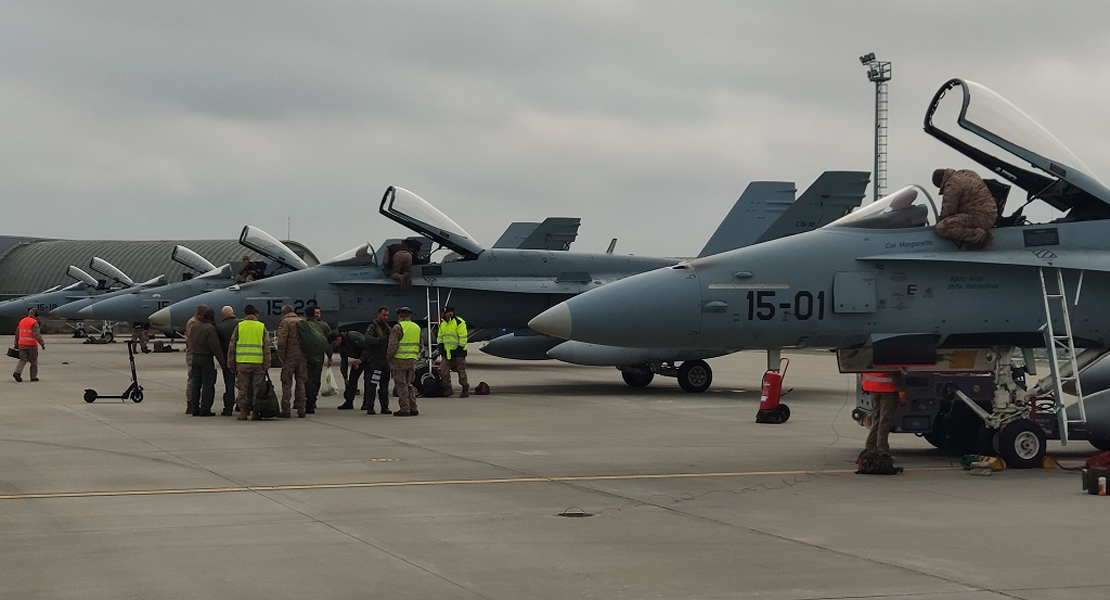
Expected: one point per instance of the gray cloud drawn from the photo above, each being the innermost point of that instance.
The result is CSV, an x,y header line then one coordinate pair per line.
x,y
646,119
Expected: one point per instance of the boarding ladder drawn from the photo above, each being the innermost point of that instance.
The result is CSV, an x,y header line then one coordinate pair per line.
x,y
1063,369
435,309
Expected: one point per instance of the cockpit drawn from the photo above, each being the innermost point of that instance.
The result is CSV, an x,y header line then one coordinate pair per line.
x,y
909,207
359,256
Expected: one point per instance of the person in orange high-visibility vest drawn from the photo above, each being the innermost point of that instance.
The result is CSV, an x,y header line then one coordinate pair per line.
x,y
28,338
886,394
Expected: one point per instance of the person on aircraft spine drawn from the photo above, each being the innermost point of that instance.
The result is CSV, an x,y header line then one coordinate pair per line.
x,y
968,210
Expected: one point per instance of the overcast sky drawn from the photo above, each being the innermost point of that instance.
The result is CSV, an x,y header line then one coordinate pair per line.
x,y
178,120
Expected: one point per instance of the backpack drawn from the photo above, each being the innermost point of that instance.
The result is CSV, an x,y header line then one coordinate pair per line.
x,y
482,389
313,342
872,462
430,387
266,401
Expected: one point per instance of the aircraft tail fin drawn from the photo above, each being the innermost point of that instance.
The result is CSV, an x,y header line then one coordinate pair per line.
x,y
759,206
554,233
832,195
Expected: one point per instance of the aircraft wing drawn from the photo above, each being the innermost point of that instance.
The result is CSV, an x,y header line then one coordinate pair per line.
x,y
1088,260
519,285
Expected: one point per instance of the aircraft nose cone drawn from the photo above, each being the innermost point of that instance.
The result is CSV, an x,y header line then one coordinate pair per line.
x,y
555,321
657,309
161,318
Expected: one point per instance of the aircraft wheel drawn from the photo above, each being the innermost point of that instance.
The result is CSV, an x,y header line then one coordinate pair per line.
x,y
1100,443
694,376
90,396
784,413
938,437
79,332
639,376
1021,444
108,336
984,441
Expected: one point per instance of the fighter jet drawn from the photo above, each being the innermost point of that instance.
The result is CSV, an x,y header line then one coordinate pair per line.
x,y
48,300
881,280
138,304
832,195
120,281
500,287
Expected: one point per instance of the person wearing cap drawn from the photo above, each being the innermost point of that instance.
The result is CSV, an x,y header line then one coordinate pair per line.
x,y
352,345
403,350
451,338
968,210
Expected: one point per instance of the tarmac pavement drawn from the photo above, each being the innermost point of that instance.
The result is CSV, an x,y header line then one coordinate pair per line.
x,y
688,496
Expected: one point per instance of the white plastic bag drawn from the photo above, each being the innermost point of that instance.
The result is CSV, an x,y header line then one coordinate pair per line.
x,y
329,384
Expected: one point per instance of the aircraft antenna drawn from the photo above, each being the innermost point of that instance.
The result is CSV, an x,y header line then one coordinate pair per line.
x,y
878,72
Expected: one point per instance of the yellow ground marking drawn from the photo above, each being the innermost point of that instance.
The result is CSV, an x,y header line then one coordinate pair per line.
x,y
385,484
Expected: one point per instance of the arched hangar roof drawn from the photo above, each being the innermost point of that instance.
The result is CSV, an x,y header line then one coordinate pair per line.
x,y
32,265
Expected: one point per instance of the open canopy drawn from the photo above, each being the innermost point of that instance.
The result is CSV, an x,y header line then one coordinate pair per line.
x,y
110,271
1059,178
268,246
909,207
415,213
191,259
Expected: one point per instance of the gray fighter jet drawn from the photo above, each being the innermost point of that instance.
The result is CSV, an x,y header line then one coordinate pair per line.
x,y
137,304
882,285
126,285
751,220
48,300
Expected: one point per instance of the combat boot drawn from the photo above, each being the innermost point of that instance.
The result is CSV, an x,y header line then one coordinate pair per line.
x,y
244,414
190,408
465,391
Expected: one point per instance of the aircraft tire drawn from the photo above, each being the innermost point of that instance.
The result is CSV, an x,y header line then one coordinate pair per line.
x,y
638,377
1100,443
1022,444
695,376
108,337
984,442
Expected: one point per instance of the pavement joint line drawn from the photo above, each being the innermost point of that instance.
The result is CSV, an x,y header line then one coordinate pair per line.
x,y
384,484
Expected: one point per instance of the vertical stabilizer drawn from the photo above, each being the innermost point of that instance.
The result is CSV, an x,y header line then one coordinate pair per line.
x,y
832,195
761,204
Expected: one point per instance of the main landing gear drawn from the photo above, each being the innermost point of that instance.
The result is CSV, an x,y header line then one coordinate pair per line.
x,y
694,376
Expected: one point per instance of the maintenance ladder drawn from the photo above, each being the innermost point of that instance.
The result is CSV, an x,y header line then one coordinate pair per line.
x,y
1063,369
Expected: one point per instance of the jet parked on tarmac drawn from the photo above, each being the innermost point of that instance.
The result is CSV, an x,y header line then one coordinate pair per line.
x,y
137,305
48,300
832,195
882,287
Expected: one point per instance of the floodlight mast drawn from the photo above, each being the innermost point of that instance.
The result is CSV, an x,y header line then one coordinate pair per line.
x,y
878,72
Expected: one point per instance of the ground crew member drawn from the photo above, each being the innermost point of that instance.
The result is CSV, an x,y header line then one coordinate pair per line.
x,y
224,329
189,407
452,347
377,363
140,332
886,394
968,210
402,265
28,338
352,345
204,344
315,363
293,363
249,356
403,350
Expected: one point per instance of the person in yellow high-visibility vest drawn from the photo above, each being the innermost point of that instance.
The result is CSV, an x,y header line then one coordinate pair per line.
x,y
248,354
28,338
452,347
403,350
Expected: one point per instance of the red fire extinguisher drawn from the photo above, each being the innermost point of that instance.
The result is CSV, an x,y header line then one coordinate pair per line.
x,y
770,409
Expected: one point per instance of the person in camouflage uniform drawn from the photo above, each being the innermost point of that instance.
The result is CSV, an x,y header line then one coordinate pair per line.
x,y
968,210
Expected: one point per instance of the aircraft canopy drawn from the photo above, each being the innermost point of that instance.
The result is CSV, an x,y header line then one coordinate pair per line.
x,y
110,271
909,207
1063,182
359,256
190,259
268,246
415,213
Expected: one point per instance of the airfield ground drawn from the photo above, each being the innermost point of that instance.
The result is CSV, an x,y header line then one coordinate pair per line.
x,y
690,497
